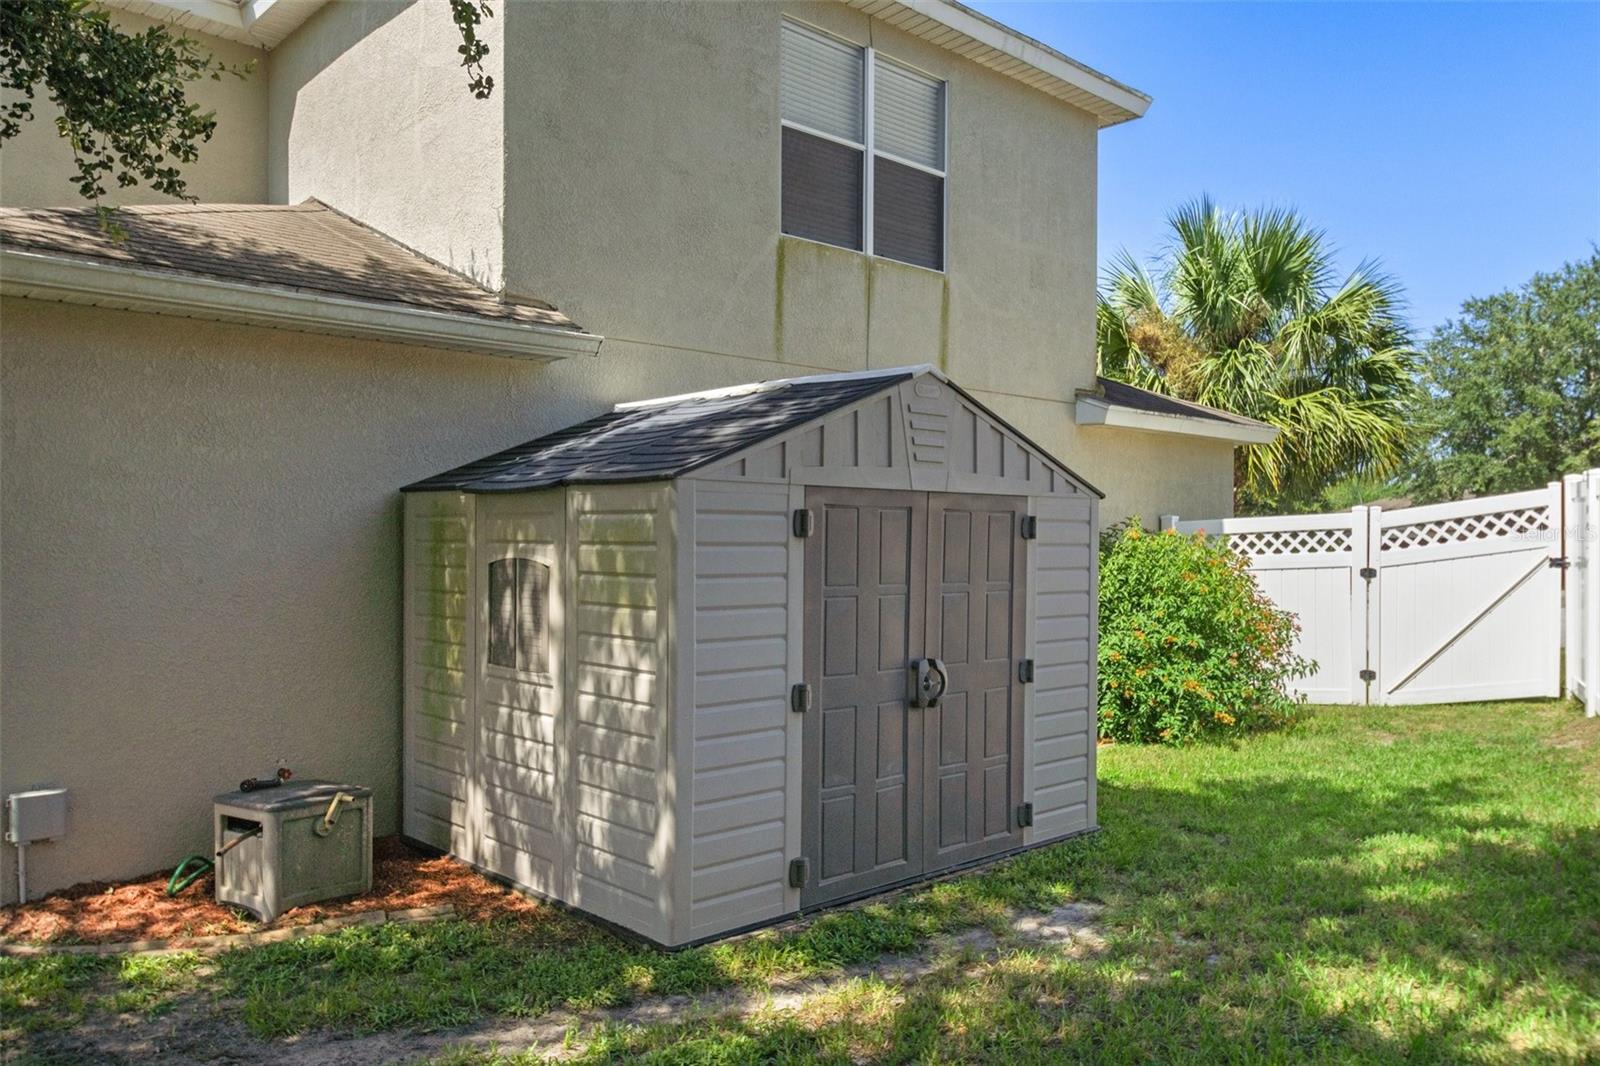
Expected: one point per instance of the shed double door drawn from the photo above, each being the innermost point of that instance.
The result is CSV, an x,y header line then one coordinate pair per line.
x,y
891,791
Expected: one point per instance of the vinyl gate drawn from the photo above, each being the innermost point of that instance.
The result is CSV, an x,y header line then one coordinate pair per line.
x,y
1439,604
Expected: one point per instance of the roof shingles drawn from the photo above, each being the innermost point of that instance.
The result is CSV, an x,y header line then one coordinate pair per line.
x,y
659,441
1122,394
307,247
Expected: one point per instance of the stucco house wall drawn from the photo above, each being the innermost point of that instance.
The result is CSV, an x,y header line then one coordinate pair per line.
x,y
368,110
201,566
1152,474
231,167
604,112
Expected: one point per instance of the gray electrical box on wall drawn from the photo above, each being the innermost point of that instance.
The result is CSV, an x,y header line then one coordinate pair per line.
x,y
37,815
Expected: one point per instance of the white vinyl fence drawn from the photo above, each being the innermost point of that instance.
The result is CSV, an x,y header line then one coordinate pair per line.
x,y
1581,495
1439,604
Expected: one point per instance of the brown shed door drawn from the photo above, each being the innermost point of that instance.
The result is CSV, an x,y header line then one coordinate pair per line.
x,y
892,791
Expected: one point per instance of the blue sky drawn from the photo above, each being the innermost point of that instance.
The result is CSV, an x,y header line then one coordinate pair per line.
x,y
1459,143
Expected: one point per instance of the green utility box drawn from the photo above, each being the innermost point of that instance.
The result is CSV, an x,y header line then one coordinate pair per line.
x,y
293,844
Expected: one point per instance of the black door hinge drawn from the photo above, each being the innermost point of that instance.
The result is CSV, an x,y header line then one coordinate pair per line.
x,y
1369,675
1025,815
1025,671
800,699
799,870
1030,527
1560,562
1369,573
804,522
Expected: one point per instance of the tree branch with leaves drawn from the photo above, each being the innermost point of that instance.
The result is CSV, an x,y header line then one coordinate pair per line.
x,y
121,97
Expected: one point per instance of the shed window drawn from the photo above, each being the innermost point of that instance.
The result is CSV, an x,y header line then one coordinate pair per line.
x,y
863,150
519,598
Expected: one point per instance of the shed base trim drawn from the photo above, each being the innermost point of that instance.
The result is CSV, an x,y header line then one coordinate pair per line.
x,y
766,923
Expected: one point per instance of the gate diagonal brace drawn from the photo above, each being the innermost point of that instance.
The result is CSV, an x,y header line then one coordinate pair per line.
x,y
1477,617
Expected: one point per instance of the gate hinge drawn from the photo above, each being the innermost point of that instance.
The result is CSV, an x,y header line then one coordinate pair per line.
x,y
800,699
804,522
1560,562
1025,815
1025,671
1030,527
799,870
1369,573
1369,675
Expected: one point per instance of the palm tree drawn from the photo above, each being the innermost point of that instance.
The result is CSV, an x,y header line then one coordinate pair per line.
x,y
1242,312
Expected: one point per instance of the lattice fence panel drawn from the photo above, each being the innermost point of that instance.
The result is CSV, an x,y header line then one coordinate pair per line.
x,y
1275,542
1514,523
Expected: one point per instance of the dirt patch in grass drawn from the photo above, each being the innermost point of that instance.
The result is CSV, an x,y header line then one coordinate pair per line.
x,y
1582,736
99,912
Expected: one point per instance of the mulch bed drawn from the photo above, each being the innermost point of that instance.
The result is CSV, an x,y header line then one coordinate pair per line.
x,y
100,912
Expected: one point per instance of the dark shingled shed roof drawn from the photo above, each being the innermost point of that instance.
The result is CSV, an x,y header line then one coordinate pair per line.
x,y
662,439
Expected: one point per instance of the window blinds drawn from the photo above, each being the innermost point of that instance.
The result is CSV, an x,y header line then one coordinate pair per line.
x,y
827,180
908,114
821,83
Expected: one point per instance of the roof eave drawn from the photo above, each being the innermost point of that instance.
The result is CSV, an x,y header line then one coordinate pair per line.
x,y
262,23
992,44
64,279
1094,411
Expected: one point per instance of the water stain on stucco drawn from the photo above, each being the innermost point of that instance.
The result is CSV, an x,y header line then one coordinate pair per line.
x,y
944,324
777,297
872,275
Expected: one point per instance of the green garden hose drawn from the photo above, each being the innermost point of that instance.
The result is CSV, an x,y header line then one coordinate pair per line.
x,y
180,880
202,863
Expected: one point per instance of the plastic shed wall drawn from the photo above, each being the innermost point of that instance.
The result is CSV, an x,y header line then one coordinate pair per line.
x,y
440,669
520,749
746,743
561,782
1059,768
622,772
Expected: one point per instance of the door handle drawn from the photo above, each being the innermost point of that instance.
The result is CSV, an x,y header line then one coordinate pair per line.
x,y
929,679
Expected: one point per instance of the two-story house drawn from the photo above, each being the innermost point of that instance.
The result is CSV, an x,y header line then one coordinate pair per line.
x,y
205,427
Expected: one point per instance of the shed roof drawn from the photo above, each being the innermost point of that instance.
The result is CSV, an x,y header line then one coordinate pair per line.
x,y
1124,395
306,247
660,439
1116,403
654,440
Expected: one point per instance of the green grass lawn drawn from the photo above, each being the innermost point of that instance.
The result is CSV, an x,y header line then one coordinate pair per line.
x,y
1417,884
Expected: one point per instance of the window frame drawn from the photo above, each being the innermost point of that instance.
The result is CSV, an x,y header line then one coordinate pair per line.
x,y
545,669
870,152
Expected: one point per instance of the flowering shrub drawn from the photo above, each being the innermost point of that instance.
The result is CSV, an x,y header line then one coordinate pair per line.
x,y
1189,646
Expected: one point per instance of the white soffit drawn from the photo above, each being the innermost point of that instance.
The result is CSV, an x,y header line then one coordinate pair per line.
x,y
1094,411
263,23
992,44
950,25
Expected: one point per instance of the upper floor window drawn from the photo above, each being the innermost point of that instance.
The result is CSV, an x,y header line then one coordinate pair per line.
x,y
863,150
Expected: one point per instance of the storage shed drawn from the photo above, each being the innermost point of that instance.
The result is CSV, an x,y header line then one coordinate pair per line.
x,y
702,662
